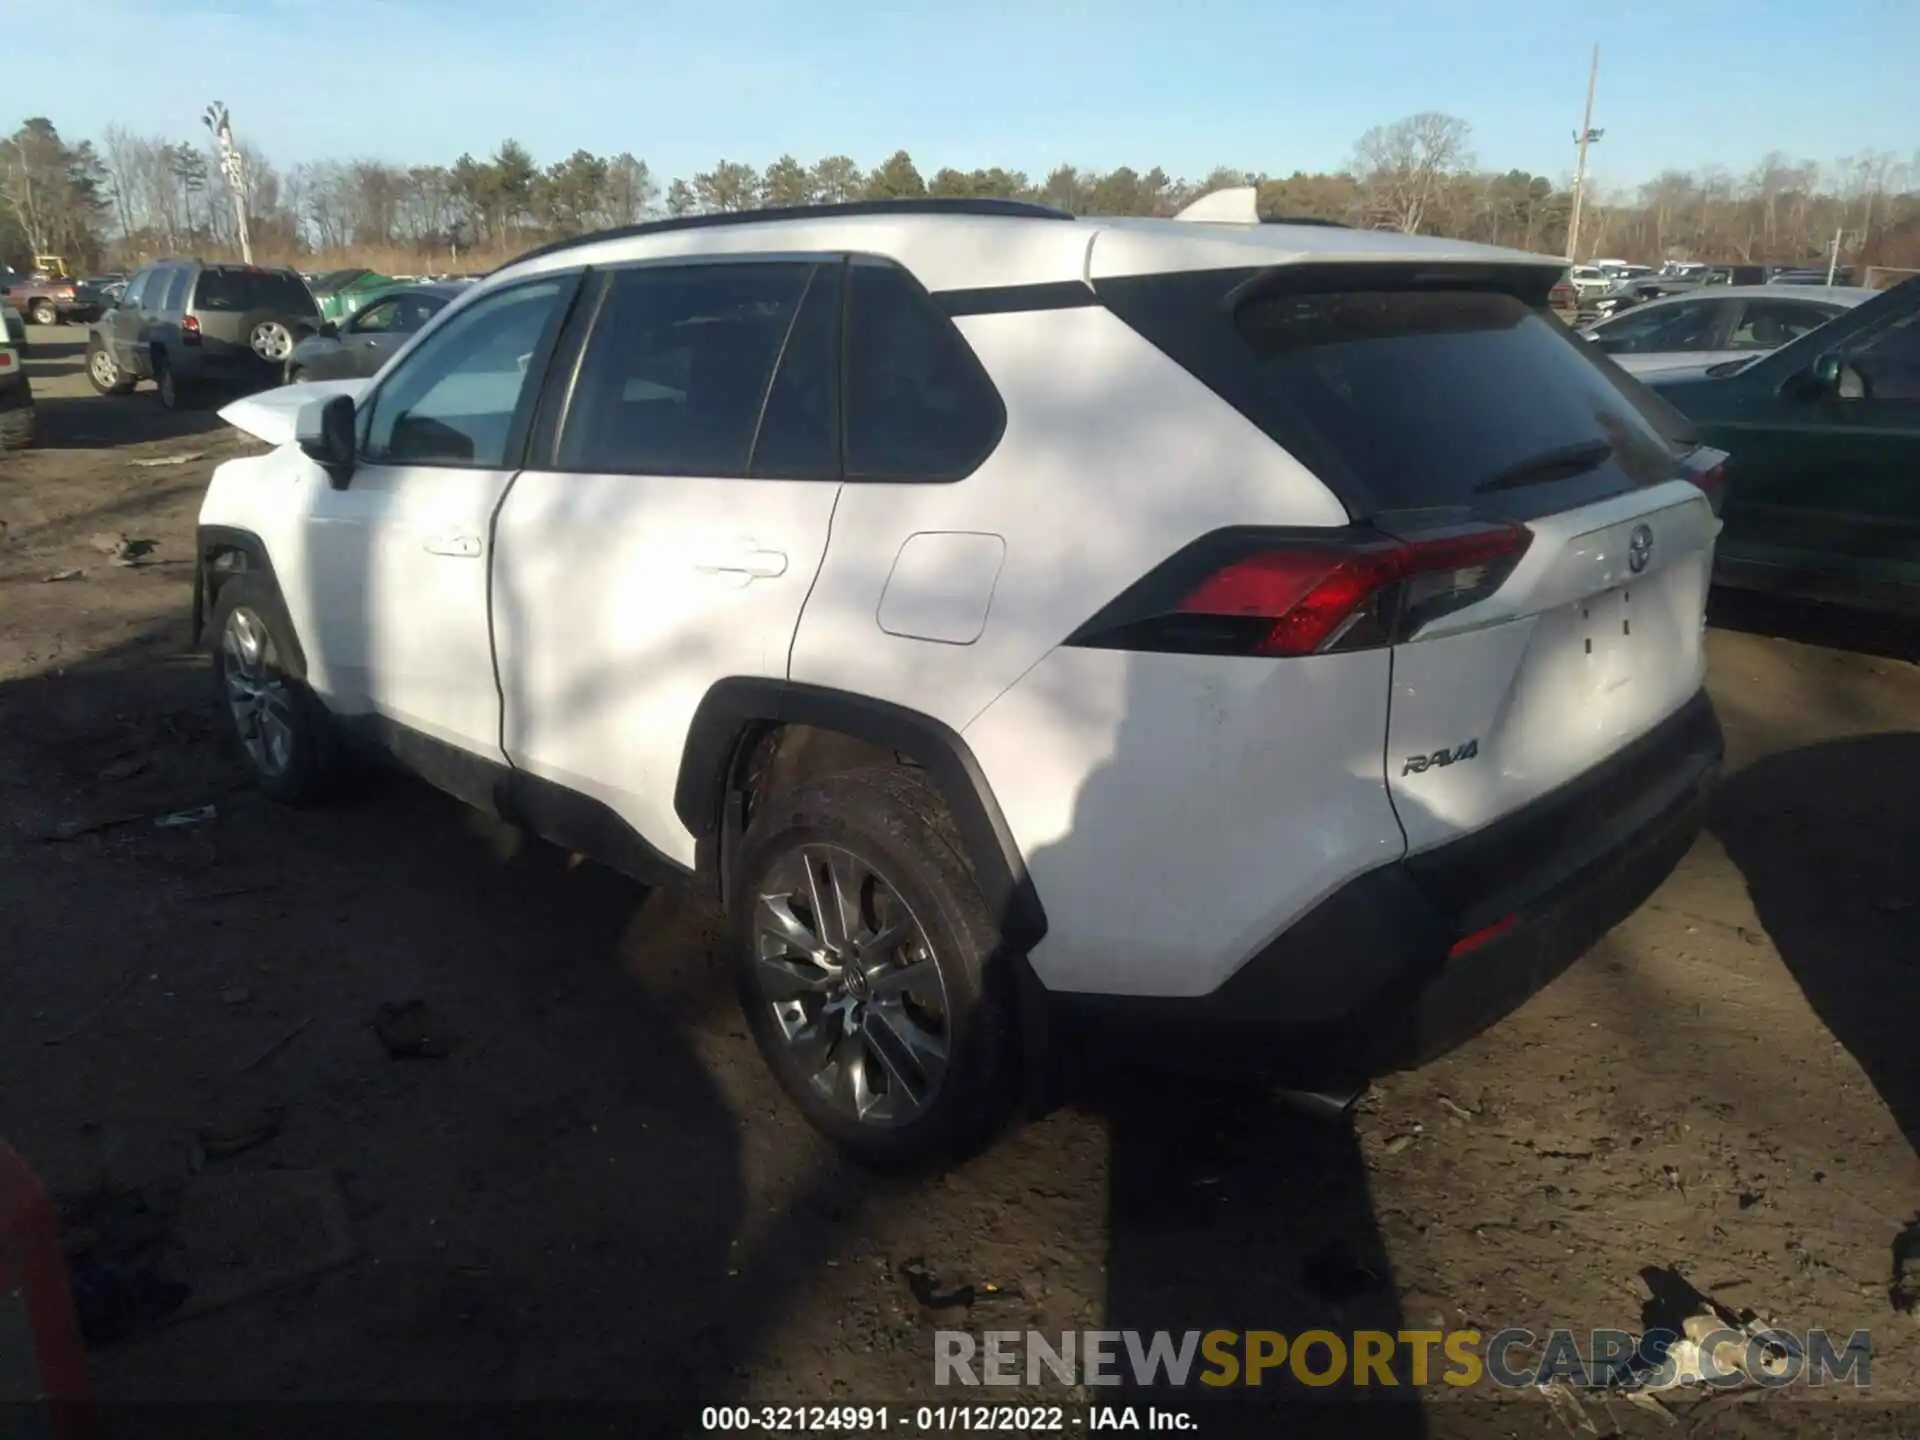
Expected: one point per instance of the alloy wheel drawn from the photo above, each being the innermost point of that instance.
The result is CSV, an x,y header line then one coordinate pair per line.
x,y
271,340
262,706
852,981
106,371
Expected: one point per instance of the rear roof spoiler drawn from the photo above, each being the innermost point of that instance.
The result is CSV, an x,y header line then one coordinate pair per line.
x,y
1240,205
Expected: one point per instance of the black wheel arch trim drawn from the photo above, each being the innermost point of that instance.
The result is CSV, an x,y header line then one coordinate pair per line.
x,y
735,708
211,540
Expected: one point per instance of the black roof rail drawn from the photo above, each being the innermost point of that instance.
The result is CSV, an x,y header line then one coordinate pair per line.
x,y
1305,220
929,205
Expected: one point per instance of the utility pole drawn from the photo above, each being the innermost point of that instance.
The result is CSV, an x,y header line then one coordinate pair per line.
x,y
1587,136
233,166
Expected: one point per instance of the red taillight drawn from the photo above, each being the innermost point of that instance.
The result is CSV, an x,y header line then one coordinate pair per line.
x,y
1310,599
190,329
1712,483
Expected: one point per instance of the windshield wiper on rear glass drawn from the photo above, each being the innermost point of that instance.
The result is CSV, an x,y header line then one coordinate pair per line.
x,y
1729,367
1561,464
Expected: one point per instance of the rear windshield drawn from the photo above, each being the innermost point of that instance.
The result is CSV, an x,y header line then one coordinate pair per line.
x,y
1412,399
253,290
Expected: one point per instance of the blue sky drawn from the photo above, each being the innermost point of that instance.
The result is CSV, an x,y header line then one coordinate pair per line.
x,y
1272,85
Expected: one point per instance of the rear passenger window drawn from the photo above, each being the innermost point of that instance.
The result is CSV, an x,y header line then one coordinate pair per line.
x,y
676,371
177,291
919,405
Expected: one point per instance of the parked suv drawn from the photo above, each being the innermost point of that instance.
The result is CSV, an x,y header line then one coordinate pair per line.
x,y
188,325
1259,640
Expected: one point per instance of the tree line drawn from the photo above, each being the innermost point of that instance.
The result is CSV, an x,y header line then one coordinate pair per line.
x,y
130,197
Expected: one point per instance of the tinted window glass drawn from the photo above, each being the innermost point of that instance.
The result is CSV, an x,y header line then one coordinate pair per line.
x,y
136,289
800,427
177,290
452,401
919,406
1663,330
227,289
675,372
1769,324
416,310
1887,361
1410,398
381,316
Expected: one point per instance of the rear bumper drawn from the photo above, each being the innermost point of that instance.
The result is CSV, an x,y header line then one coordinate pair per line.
x,y
217,362
1366,982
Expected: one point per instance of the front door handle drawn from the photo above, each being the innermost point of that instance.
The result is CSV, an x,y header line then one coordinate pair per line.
x,y
753,564
464,547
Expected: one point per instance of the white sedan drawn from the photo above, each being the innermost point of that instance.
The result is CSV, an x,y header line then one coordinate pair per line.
x,y
1722,322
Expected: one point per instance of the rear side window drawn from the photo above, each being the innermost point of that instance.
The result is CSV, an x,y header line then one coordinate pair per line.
x,y
1403,399
1664,329
1769,324
676,370
918,404
177,290
277,290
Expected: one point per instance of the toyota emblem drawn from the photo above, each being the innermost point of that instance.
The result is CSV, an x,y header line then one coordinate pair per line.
x,y
1639,548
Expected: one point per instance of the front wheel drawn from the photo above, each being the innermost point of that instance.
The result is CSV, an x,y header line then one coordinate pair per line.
x,y
867,965
43,313
284,734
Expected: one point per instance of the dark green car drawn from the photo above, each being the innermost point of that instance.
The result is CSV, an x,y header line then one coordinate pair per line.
x,y
1823,487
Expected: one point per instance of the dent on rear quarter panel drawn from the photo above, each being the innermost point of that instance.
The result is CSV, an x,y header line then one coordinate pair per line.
x,y
1176,812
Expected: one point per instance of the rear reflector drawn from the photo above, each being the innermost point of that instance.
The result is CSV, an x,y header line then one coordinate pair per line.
x,y
1250,592
1708,470
1466,944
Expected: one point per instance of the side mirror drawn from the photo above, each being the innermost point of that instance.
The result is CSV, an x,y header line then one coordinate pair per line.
x,y
324,432
1820,380
329,329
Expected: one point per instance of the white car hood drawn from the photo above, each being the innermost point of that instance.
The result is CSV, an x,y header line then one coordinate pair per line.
x,y
272,415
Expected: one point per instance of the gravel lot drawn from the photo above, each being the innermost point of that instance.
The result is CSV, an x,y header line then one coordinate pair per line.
x,y
597,1194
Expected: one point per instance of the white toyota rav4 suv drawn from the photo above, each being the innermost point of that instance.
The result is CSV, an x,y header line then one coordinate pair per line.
x,y
1265,641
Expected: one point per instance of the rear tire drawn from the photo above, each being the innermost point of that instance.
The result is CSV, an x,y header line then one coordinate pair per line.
x,y
173,393
19,425
867,964
284,734
41,312
104,372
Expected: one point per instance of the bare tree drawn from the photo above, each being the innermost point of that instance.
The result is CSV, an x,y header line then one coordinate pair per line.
x,y
1405,166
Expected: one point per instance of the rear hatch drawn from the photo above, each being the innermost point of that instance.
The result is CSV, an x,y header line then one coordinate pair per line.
x,y
229,301
1535,517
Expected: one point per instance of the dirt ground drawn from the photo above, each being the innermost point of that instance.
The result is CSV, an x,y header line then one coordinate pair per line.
x,y
589,1190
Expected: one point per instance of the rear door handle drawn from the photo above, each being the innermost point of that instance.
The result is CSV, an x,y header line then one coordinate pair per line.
x,y
754,564
461,546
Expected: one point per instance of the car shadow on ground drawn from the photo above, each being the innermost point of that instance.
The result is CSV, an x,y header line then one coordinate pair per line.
x,y
97,422
1827,837
543,1196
